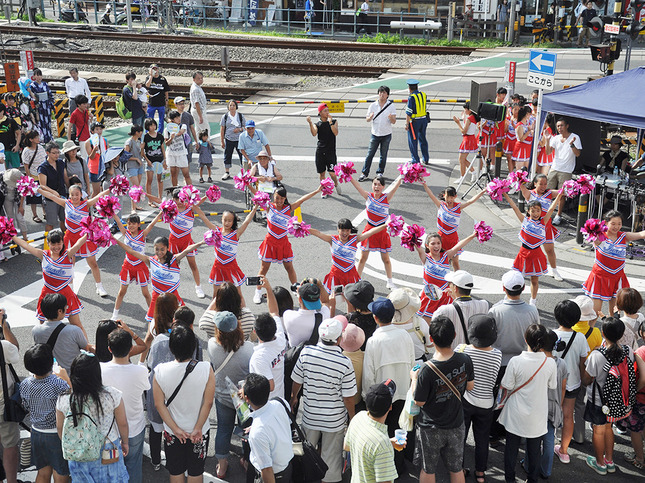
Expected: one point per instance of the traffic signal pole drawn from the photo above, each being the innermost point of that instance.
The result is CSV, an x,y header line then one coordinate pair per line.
x,y
618,11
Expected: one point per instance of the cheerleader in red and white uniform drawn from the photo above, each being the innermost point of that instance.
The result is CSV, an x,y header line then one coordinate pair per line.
x,y
133,269
607,276
524,138
436,264
531,260
276,247
77,208
544,160
225,267
377,206
181,228
343,258
469,143
510,136
164,269
57,265
545,197
449,215
488,139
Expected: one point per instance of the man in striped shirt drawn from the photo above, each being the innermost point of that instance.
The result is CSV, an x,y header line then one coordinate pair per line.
x,y
328,385
367,439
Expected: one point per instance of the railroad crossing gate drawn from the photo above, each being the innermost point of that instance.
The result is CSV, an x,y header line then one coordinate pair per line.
x,y
336,107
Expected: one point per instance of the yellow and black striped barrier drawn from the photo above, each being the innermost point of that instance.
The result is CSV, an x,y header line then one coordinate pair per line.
x,y
60,112
99,110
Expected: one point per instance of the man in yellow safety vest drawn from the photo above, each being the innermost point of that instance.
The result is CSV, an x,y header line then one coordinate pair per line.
x,y
417,119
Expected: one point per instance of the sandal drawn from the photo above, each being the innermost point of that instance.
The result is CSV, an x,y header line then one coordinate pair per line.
x,y
480,477
220,475
631,458
36,219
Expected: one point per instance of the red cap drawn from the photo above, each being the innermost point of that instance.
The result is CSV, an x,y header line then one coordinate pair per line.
x,y
321,107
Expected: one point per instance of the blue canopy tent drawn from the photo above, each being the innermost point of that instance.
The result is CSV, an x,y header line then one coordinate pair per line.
x,y
614,99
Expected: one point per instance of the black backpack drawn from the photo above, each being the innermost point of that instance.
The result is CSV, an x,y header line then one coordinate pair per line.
x,y
293,353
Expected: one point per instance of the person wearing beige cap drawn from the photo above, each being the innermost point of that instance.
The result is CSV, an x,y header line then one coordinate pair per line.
x,y
12,208
406,303
328,385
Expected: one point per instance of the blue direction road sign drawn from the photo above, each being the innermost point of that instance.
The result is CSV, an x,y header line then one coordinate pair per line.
x,y
542,62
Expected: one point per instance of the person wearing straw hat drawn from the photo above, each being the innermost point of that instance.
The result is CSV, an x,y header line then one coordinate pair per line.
x,y
406,303
463,307
75,164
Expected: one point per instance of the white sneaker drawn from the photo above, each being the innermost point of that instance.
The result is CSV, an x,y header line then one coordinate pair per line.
x,y
257,297
473,176
115,315
556,275
533,302
323,196
100,291
338,189
390,285
200,293
557,219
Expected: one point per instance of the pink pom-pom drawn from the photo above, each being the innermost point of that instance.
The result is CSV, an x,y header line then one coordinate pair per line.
x,y
497,188
97,231
518,178
327,186
119,185
213,194
484,232
344,171
189,195
107,205
213,238
586,183
594,229
411,237
395,227
27,186
169,209
262,199
571,188
136,193
297,228
412,172
7,230
241,182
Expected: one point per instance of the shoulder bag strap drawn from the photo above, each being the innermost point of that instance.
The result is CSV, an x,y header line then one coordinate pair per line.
x,y
530,378
313,338
294,425
387,104
3,373
444,379
221,366
589,332
461,319
566,349
189,368
32,159
51,342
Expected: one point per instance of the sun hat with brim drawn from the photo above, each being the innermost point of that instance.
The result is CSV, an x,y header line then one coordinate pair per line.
x,y
616,140
11,177
263,153
482,330
360,294
587,311
406,303
353,338
69,146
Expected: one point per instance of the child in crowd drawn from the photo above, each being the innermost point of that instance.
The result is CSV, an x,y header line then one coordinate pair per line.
x,y
567,314
154,153
205,150
629,302
39,394
96,147
135,165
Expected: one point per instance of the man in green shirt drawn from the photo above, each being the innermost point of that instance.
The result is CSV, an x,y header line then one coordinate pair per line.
x,y
372,452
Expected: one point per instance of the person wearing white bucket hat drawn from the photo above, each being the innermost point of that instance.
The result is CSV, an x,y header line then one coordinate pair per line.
x,y
406,303
463,307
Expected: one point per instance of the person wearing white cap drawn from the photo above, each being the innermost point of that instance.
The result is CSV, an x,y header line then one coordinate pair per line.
x,y
513,316
463,307
328,385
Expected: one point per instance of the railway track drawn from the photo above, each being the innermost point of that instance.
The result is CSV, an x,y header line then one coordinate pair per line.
x,y
201,64
80,32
